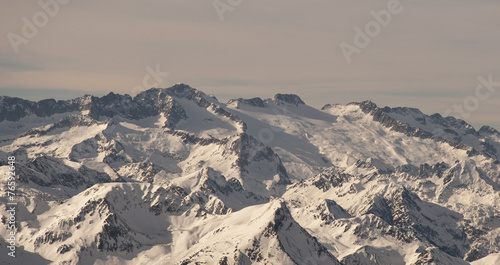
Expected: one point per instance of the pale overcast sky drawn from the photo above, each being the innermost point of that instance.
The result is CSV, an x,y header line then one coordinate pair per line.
x,y
428,56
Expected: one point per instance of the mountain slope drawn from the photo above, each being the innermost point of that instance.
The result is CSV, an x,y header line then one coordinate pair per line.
x,y
173,176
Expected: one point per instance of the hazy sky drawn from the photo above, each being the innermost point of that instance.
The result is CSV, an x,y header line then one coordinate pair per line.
x,y
428,56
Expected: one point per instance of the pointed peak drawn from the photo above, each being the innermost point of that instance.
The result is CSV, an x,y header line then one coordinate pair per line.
x,y
332,209
367,103
281,213
366,106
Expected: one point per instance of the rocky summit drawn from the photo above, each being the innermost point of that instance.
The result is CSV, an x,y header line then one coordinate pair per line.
x,y
173,176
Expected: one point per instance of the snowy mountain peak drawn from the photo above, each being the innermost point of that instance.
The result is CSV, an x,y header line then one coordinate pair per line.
x,y
254,102
172,176
412,122
182,91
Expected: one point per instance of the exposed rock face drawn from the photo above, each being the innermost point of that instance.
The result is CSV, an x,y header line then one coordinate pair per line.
x,y
50,172
148,103
288,98
172,176
12,109
330,178
488,131
381,115
254,102
249,150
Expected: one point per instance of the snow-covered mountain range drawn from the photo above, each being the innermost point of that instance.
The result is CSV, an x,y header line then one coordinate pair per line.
x,y
173,176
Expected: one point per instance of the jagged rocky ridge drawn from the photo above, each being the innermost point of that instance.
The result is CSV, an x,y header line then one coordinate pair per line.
x,y
173,176
443,129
